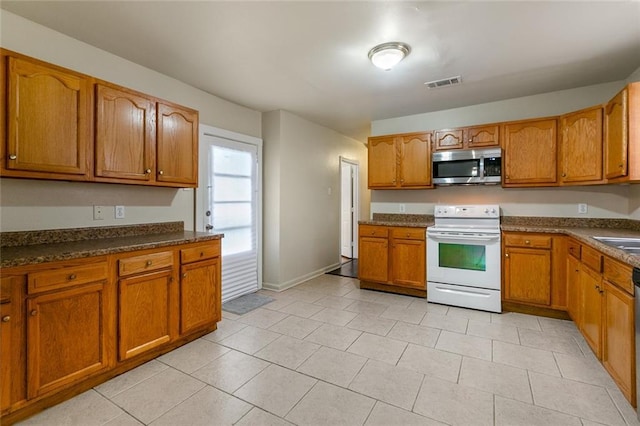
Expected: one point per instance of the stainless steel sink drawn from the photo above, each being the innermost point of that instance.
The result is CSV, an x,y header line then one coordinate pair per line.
x,y
629,244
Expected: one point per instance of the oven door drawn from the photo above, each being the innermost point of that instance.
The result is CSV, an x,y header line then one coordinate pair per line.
x,y
470,258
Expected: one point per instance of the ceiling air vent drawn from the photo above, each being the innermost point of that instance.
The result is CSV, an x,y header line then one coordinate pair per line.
x,y
444,82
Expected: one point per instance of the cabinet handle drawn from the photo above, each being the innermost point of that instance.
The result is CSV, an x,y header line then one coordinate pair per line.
x,y
149,263
13,157
401,180
597,287
506,255
148,171
506,177
564,175
160,172
600,291
201,253
373,232
621,166
408,235
184,275
72,277
527,242
33,313
6,318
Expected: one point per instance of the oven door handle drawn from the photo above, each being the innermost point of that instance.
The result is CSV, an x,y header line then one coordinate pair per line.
x,y
451,237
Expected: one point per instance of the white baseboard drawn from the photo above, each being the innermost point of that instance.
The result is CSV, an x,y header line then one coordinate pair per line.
x,y
299,280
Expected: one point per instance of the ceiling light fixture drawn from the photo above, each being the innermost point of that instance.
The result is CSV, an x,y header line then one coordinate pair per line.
x,y
387,55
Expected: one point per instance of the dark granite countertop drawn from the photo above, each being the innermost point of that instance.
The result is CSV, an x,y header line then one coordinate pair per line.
x,y
582,230
56,245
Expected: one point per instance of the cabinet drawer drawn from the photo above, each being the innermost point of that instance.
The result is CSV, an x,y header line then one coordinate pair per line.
x,y
618,273
574,248
38,282
201,252
374,231
592,258
527,240
409,233
145,263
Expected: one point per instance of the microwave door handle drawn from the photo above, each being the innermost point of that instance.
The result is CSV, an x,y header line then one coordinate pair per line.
x,y
482,171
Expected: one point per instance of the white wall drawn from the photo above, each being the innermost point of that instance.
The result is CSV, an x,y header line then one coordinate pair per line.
x,y
610,201
546,104
302,219
634,202
28,204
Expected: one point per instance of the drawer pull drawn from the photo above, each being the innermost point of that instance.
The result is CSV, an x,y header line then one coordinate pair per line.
x,y
13,157
160,172
33,313
149,263
506,255
527,242
6,318
184,275
408,235
373,232
147,171
201,253
72,277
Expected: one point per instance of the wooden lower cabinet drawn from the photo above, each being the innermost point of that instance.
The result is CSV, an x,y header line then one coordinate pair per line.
x,y
199,295
573,289
527,275
67,339
5,355
145,314
591,309
618,347
393,259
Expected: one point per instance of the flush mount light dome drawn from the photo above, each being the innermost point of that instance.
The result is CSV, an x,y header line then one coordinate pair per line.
x,y
387,55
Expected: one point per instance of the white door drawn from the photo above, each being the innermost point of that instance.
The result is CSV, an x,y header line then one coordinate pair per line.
x,y
230,192
348,207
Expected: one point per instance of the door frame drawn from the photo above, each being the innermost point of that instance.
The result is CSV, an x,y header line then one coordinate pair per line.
x,y
203,180
355,194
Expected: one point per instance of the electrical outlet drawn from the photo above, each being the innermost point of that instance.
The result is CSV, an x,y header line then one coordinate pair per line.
x,y
582,208
119,212
403,208
98,212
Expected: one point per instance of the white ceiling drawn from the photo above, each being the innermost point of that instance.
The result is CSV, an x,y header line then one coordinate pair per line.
x,y
310,58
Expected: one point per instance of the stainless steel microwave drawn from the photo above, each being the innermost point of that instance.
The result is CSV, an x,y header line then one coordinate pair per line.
x,y
466,167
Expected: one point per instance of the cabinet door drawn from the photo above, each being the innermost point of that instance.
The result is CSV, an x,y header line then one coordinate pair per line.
x,y
530,153
527,275
448,139
177,145
408,263
591,308
145,313
415,161
373,263
482,137
573,289
581,147
125,134
618,352
5,355
616,136
66,338
382,162
49,120
199,295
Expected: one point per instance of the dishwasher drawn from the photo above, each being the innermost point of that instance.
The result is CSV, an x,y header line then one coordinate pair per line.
x,y
636,284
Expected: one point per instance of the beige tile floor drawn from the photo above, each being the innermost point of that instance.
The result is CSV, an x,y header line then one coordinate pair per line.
x,y
328,353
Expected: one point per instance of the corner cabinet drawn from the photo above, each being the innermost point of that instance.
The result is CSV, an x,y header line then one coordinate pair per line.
x,y
530,149
63,125
400,161
48,113
622,136
392,259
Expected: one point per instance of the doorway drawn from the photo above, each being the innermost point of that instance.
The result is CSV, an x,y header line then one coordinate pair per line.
x,y
349,196
228,200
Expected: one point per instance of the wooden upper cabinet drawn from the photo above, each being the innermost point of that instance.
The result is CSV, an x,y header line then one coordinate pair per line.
x,y
125,134
383,162
616,136
448,139
177,146
530,149
400,161
482,136
467,138
49,122
415,160
581,147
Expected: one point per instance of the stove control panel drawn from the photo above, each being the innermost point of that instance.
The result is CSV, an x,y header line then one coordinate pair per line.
x,y
468,211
